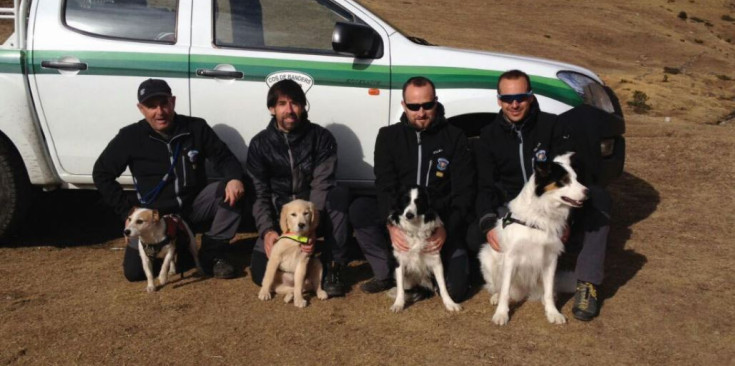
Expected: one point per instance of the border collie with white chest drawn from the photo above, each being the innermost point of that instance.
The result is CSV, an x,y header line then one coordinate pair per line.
x,y
529,238
414,216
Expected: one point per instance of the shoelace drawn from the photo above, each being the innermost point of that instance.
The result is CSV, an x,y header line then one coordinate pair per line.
x,y
586,290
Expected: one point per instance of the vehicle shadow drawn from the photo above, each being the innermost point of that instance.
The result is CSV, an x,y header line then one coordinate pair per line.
x,y
67,218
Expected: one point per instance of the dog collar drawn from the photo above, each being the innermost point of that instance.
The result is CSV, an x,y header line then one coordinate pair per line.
x,y
508,219
302,240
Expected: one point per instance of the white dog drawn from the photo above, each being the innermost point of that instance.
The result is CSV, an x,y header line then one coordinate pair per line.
x,y
529,238
417,220
157,238
290,271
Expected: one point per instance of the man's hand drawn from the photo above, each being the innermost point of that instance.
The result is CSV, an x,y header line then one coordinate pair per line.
x,y
436,240
492,239
269,239
397,238
308,248
234,191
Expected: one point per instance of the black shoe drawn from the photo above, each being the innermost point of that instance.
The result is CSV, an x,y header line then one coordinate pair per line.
x,y
221,268
375,285
586,302
333,284
419,293
213,259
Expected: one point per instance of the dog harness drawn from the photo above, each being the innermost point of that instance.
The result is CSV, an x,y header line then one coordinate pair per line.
x,y
173,225
508,219
302,240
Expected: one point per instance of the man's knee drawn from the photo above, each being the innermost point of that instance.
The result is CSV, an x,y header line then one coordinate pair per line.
x,y
456,269
338,199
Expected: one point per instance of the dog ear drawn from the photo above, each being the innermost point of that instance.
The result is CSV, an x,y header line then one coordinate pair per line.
x,y
284,218
132,209
542,168
156,216
314,216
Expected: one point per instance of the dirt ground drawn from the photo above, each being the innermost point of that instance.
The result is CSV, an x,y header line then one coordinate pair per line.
x,y
668,289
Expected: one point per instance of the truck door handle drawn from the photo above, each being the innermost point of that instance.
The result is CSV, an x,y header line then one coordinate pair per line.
x,y
220,73
63,65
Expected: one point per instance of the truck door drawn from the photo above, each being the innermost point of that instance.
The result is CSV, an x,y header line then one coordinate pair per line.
x,y
88,58
242,47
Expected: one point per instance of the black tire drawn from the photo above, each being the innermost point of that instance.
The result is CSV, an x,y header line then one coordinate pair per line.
x,y
15,188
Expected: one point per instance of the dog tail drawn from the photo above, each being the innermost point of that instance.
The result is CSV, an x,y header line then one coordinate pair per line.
x,y
565,282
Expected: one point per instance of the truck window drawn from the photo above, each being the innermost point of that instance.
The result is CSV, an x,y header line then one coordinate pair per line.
x,y
283,25
138,20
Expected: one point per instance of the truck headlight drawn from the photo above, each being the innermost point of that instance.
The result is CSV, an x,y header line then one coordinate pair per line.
x,y
590,90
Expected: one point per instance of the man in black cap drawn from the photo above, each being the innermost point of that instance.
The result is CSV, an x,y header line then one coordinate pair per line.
x,y
166,153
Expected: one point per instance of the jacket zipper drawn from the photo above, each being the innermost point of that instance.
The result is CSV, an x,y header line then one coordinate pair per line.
x,y
290,161
418,168
520,155
431,162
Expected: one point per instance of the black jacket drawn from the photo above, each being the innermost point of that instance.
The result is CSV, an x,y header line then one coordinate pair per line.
x,y
505,155
286,166
437,158
149,156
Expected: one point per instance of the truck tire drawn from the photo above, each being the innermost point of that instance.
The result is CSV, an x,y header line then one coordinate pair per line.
x,y
15,188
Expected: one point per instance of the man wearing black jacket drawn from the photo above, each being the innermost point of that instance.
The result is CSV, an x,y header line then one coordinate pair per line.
x,y
508,147
166,153
294,158
425,150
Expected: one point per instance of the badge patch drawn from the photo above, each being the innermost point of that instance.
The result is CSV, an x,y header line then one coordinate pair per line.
x,y
442,164
541,155
440,174
192,154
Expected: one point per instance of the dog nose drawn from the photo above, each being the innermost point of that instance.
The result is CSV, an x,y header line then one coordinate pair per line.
x,y
126,232
409,215
586,192
301,225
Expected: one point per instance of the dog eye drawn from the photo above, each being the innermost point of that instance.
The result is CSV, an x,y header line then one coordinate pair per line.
x,y
138,221
293,214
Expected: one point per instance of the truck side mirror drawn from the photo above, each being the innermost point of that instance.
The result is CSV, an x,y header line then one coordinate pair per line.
x,y
357,39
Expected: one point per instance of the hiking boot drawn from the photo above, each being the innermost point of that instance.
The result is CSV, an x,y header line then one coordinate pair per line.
x,y
223,269
214,260
375,285
333,284
586,302
419,293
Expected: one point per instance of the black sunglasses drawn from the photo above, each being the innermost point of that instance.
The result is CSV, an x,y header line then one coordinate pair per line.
x,y
510,98
416,106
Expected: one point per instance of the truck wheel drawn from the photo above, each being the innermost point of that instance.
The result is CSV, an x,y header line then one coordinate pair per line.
x,y
15,188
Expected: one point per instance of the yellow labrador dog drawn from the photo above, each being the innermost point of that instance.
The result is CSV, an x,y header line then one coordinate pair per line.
x,y
290,271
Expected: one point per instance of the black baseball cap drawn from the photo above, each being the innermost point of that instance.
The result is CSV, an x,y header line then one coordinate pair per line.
x,y
153,88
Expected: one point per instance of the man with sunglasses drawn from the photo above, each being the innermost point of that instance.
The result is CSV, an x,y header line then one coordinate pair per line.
x,y
166,153
424,150
508,147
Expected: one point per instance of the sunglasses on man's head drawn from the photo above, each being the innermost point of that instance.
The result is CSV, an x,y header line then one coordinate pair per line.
x,y
510,98
416,106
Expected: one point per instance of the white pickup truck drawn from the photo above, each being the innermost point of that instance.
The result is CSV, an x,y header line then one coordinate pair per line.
x,y
69,72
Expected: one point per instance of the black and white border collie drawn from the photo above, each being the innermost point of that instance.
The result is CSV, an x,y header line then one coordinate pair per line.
x,y
414,216
529,238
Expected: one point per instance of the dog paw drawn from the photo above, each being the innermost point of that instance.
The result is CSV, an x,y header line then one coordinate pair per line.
x,y
288,297
162,280
494,299
556,318
299,303
264,295
501,318
150,289
451,306
322,295
396,308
